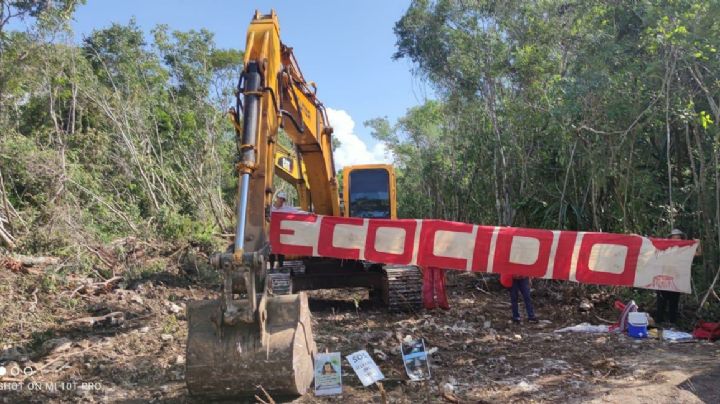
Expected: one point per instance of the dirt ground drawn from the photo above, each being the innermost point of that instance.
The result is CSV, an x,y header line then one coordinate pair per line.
x,y
83,341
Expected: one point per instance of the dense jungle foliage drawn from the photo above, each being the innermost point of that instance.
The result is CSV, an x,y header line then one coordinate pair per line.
x,y
584,115
112,136
581,115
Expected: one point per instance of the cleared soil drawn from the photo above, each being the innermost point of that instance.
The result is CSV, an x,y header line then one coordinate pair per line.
x,y
51,352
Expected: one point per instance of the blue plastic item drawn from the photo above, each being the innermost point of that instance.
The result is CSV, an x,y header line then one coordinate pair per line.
x,y
637,325
637,331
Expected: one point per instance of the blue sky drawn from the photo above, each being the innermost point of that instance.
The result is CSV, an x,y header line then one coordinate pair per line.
x,y
346,47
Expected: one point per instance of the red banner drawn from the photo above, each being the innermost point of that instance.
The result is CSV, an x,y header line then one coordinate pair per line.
x,y
585,257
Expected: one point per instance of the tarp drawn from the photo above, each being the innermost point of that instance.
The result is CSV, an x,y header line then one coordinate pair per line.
x,y
585,257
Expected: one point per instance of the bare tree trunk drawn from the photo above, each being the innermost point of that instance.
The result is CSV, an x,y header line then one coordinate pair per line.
x,y
710,290
565,182
667,153
506,211
691,157
5,202
716,152
6,238
496,187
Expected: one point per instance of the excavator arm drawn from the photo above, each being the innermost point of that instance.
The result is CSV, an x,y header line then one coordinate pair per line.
x,y
250,337
276,95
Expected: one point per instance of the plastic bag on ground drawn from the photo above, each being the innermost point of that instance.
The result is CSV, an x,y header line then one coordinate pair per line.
x,y
676,336
585,327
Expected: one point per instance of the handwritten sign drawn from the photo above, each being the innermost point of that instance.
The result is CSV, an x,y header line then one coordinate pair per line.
x,y
328,376
365,367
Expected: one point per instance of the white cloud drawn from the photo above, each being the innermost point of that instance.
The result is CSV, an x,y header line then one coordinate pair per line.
x,y
352,149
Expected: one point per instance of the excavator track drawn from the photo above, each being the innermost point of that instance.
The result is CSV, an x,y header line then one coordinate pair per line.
x,y
402,288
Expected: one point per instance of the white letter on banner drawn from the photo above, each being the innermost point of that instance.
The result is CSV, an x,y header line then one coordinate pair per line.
x,y
575,254
390,240
453,244
553,253
608,258
305,234
416,243
351,236
524,250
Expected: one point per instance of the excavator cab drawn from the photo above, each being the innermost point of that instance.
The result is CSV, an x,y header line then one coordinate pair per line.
x,y
369,191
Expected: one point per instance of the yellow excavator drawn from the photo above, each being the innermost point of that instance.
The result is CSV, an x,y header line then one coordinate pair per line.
x,y
258,332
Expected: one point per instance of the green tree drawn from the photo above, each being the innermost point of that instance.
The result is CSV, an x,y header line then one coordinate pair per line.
x,y
581,115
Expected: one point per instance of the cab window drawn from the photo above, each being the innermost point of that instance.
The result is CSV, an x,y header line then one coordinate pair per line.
x,y
369,193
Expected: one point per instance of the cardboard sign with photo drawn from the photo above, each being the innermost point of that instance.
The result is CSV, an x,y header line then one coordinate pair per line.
x,y
415,359
328,375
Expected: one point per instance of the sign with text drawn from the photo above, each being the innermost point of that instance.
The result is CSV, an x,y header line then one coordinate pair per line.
x,y
328,375
585,257
365,367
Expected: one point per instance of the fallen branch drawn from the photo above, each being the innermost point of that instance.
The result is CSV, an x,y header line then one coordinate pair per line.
x,y
479,289
710,289
35,298
98,288
16,266
99,255
63,356
107,205
267,395
10,210
7,238
450,396
29,261
383,393
6,204
604,320
111,319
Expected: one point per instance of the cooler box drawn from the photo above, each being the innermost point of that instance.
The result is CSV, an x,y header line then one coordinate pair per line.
x,y
637,324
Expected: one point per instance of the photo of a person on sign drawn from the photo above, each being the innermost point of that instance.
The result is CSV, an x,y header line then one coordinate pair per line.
x,y
328,369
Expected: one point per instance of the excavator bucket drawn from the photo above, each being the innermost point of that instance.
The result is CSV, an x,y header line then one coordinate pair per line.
x,y
275,352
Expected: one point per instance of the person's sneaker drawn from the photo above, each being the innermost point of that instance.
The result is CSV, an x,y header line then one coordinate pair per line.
x,y
516,320
533,320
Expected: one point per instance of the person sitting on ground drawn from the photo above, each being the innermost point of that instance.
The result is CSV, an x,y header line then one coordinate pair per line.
x,y
519,284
